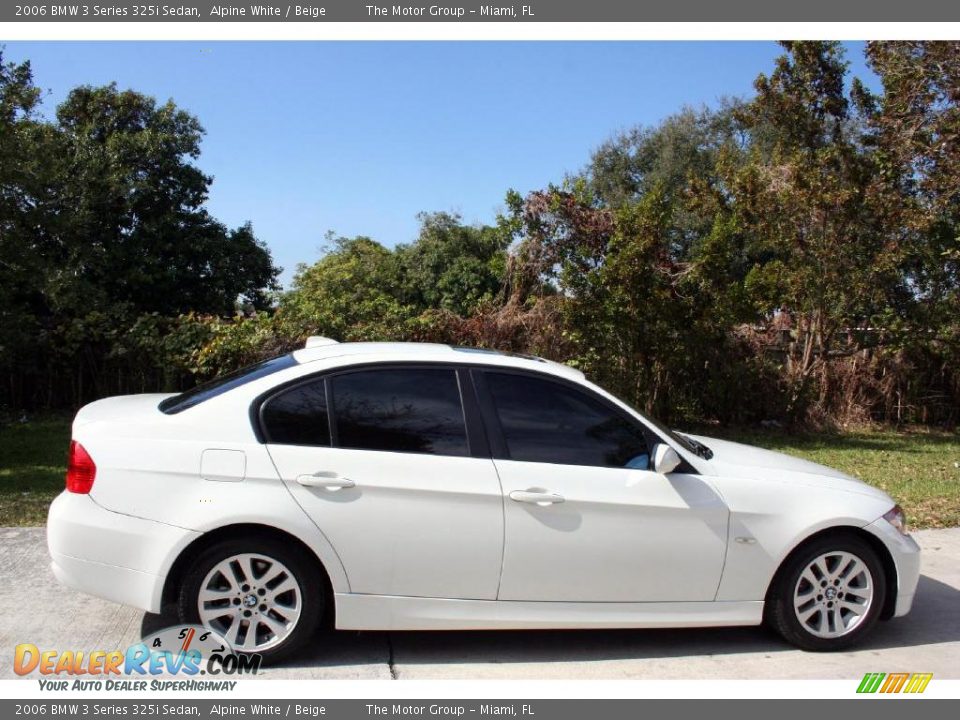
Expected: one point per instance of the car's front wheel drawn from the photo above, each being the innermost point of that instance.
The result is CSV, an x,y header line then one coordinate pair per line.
x,y
829,594
255,593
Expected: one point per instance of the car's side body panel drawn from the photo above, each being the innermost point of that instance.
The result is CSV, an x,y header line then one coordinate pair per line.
x,y
150,468
620,535
373,612
771,517
111,555
906,556
410,524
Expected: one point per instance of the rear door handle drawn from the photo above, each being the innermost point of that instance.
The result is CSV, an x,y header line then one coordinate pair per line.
x,y
325,480
536,497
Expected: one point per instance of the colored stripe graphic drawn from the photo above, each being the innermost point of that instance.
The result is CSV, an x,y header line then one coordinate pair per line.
x,y
918,682
870,682
894,683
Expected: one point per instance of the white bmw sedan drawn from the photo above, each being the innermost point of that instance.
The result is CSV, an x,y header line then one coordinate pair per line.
x,y
426,487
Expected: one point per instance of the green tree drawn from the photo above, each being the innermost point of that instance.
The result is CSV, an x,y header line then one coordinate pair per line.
x,y
27,162
914,125
103,236
664,157
650,269
824,239
917,118
645,318
134,230
452,266
352,293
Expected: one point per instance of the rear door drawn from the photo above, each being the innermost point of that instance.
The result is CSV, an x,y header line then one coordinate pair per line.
x,y
396,474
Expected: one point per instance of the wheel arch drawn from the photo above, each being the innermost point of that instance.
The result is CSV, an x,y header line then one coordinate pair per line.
x,y
182,563
883,554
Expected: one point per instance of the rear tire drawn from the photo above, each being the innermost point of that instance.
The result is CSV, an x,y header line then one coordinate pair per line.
x,y
828,594
260,595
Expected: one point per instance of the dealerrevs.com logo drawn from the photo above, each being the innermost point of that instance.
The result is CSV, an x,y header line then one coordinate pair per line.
x,y
184,651
899,682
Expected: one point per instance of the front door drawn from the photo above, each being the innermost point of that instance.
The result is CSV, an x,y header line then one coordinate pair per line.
x,y
587,520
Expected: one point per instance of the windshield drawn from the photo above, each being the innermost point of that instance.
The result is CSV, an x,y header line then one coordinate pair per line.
x,y
220,385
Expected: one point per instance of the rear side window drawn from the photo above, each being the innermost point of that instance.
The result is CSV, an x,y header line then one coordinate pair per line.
x,y
297,416
550,422
218,386
401,410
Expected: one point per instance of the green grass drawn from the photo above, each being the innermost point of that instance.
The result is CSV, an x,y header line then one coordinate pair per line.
x,y
918,468
33,459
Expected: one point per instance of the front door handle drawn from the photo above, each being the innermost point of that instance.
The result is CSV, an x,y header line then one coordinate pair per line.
x,y
326,480
536,497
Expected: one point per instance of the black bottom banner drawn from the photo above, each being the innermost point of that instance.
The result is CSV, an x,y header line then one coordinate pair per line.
x,y
595,709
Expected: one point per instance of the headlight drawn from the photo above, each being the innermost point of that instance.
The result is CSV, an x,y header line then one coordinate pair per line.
x,y
895,517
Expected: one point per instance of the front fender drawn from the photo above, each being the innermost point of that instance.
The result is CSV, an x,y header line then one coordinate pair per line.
x,y
769,519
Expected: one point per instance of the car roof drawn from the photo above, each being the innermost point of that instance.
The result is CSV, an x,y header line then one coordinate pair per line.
x,y
431,352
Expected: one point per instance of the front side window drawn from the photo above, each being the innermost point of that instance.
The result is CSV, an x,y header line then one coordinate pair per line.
x,y
551,422
297,416
400,410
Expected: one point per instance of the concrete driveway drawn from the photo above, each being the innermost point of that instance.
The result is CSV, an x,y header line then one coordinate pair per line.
x,y
37,609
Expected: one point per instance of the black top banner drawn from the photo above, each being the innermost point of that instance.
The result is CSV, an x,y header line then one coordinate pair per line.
x,y
530,11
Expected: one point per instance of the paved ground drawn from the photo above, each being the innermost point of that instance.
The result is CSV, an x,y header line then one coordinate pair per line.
x,y
36,609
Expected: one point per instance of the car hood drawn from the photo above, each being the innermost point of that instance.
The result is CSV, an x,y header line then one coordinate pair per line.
x,y
736,459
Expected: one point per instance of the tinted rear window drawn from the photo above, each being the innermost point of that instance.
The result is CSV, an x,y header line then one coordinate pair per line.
x,y
400,410
218,386
298,416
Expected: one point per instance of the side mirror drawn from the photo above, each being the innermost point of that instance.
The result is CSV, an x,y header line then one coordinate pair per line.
x,y
665,459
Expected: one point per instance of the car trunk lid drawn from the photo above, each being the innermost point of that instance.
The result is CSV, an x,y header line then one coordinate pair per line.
x,y
126,407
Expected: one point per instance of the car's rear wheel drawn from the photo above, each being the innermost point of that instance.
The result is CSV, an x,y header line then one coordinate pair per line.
x,y
829,594
256,594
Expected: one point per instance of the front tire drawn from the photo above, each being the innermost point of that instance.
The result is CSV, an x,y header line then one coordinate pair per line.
x,y
258,594
829,594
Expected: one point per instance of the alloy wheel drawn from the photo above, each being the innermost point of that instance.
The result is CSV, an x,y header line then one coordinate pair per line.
x,y
252,600
833,594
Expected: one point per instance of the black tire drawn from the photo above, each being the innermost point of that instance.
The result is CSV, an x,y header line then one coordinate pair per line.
x,y
306,575
779,609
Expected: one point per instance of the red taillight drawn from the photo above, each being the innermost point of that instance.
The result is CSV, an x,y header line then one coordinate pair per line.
x,y
81,470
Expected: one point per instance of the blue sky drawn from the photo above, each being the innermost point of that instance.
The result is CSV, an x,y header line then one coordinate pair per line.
x,y
359,137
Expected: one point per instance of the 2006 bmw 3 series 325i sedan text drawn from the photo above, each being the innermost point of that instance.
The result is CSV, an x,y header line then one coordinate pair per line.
x,y
414,486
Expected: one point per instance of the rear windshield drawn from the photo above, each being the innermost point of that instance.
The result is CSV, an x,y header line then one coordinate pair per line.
x,y
220,385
